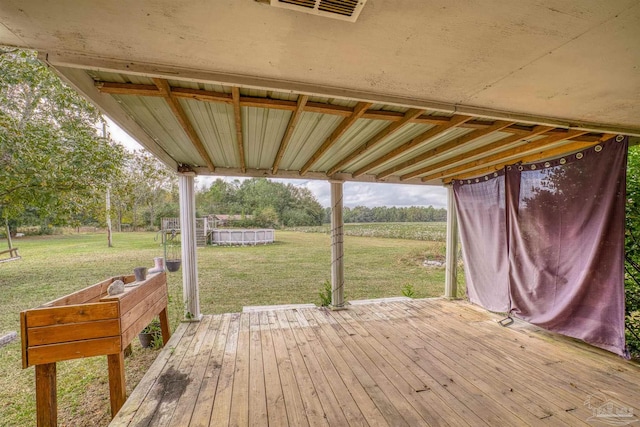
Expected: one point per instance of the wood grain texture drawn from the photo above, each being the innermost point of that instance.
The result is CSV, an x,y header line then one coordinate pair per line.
x,y
46,395
420,362
76,313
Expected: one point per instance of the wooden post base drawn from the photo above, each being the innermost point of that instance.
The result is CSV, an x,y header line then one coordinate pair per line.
x,y
46,395
117,385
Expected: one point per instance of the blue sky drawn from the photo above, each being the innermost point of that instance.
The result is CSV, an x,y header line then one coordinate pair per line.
x,y
355,193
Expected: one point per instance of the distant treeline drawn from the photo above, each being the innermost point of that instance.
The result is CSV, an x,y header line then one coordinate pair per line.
x,y
391,214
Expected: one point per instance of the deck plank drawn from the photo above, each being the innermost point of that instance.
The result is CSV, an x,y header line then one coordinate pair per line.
x,y
257,392
274,395
521,380
239,412
203,406
313,407
296,412
224,392
343,369
185,406
401,363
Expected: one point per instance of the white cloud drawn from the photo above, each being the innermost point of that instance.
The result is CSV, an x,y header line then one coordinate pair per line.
x,y
371,194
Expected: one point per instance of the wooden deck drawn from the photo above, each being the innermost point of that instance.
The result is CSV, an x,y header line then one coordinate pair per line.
x,y
423,362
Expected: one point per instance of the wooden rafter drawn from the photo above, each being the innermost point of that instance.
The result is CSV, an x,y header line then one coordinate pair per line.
x,y
181,116
358,111
510,156
312,107
302,101
489,148
237,113
415,142
447,146
533,158
375,140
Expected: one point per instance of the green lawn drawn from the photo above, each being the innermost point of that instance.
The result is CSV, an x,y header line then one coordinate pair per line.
x,y
290,271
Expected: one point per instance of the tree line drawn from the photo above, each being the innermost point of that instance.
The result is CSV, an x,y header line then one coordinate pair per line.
x,y
58,166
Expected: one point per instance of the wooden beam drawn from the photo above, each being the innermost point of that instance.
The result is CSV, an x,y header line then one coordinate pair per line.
x,y
237,113
470,137
375,140
201,95
415,142
509,156
293,121
128,89
358,111
501,144
533,158
311,107
178,112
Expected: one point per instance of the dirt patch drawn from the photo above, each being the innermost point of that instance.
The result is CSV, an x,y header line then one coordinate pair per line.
x,y
93,407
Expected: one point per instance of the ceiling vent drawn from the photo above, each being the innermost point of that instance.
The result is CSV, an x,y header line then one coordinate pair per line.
x,y
345,10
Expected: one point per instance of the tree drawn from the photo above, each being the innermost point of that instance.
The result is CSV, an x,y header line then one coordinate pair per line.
x,y
267,201
52,160
143,188
632,251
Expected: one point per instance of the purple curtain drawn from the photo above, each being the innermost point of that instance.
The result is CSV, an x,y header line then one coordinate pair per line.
x,y
565,232
481,215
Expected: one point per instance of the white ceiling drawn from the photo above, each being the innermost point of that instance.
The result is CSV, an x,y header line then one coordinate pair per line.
x,y
574,60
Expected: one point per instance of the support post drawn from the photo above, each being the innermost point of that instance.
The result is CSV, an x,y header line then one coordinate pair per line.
x,y
186,186
117,385
337,250
46,395
451,276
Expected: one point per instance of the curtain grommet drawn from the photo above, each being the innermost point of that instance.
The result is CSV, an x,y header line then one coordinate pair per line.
x,y
533,167
619,138
547,164
563,161
579,156
598,148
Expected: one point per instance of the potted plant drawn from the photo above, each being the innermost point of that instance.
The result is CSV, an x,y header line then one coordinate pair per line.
x,y
151,335
172,251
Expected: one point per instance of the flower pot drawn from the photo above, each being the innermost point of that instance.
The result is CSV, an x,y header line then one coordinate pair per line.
x,y
145,339
173,265
141,273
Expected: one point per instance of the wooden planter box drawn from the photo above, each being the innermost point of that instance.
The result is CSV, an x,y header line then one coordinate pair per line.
x,y
89,323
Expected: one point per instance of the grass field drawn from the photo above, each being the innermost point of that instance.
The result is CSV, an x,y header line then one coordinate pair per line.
x,y
427,231
290,271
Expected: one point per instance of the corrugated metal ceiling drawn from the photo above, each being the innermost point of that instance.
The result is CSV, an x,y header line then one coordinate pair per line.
x,y
329,134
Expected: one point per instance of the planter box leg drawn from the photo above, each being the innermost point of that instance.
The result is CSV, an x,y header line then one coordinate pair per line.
x,y
164,326
117,386
46,398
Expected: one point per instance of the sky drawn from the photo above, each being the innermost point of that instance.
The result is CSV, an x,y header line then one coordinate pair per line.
x,y
355,193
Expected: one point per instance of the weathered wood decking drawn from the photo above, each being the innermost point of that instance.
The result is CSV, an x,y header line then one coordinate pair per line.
x,y
423,362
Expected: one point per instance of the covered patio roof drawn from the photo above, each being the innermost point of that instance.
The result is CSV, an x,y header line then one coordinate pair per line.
x,y
413,92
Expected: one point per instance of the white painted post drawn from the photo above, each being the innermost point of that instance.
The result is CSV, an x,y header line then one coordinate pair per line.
x,y
337,251
186,187
451,278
